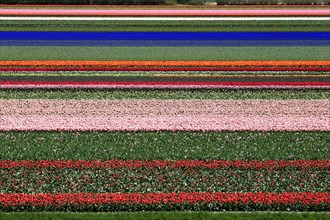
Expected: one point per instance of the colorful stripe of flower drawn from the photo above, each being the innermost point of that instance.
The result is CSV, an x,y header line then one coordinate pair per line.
x,y
85,199
145,63
183,83
255,69
164,84
100,12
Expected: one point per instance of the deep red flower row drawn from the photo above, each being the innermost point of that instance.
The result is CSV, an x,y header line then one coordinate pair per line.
x,y
167,201
254,69
155,198
211,164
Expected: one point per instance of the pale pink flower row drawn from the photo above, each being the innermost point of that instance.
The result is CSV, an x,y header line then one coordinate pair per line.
x,y
93,12
190,115
150,86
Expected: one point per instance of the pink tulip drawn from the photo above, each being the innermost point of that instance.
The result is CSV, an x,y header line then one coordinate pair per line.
x,y
91,12
190,115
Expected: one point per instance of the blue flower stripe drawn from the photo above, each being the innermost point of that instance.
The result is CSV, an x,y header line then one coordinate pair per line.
x,y
173,36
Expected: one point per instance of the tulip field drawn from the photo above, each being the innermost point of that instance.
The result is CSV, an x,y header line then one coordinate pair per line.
x,y
169,110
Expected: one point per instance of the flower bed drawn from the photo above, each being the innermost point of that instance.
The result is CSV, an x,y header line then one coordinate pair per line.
x,y
305,201
164,176
90,12
174,164
164,63
280,50
160,115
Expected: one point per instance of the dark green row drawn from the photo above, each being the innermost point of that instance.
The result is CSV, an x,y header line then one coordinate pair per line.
x,y
165,94
171,207
212,26
35,145
162,53
166,215
164,179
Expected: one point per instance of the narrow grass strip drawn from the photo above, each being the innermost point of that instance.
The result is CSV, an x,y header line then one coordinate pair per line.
x,y
164,94
171,115
195,25
162,145
166,215
162,43
163,53
291,84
